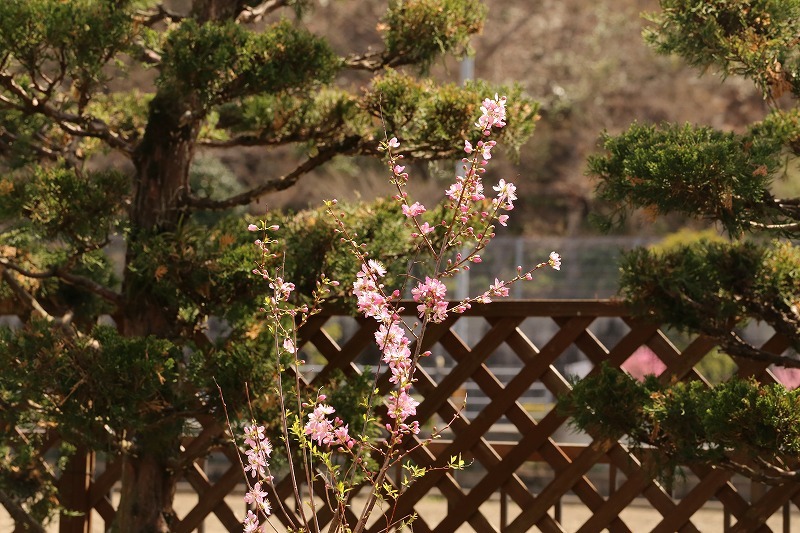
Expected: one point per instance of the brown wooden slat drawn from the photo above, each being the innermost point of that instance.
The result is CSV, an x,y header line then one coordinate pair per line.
x,y
560,338
502,460
342,357
73,486
611,508
693,501
464,368
766,506
211,499
559,486
102,485
632,467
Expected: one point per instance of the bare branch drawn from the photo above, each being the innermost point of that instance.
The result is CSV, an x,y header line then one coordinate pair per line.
x,y
7,139
370,61
148,56
72,279
77,125
256,13
768,473
374,61
91,286
280,183
736,346
32,303
18,514
253,140
760,225
153,16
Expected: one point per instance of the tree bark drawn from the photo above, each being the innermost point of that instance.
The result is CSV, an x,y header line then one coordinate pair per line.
x,y
148,490
161,183
162,161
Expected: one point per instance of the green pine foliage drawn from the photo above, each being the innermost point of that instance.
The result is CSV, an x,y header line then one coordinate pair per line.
x,y
740,424
752,38
711,286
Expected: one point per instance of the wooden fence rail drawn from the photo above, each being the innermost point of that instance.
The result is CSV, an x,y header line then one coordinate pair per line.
x,y
510,437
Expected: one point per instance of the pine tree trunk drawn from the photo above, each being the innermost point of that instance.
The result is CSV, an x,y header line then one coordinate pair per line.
x,y
148,490
161,184
162,162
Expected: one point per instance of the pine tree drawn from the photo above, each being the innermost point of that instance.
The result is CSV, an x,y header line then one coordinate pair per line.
x,y
739,181
726,177
88,162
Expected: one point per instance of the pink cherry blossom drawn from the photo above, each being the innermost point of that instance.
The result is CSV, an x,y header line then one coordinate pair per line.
x,y
425,228
413,210
282,289
318,426
251,524
289,346
256,496
499,288
555,261
403,406
493,114
430,295
506,194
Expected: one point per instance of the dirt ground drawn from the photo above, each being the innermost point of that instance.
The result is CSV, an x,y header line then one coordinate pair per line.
x,y
639,518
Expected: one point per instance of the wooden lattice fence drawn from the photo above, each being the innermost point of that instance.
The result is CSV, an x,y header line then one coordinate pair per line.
x,y
509,434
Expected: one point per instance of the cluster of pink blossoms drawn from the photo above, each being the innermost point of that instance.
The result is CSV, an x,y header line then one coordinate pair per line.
x,y
493,113
431,295
259,449
325,431
392,340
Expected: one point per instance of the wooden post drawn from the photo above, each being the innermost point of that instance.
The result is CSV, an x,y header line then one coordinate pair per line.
x,y
73,490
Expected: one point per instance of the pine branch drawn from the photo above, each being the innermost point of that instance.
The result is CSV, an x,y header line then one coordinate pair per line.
x,y
32,303
252,14
72,279
151,17
277,184
77,125
736,346
21,518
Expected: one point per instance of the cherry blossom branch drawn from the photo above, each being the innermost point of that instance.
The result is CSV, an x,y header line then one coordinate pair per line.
x,y
398,352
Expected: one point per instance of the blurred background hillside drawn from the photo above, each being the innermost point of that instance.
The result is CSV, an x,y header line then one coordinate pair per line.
x,y
584,61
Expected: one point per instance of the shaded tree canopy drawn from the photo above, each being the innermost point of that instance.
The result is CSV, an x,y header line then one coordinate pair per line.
x,y
88,161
